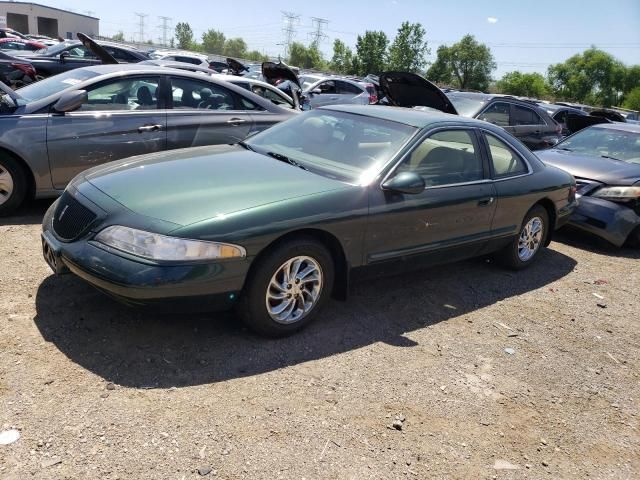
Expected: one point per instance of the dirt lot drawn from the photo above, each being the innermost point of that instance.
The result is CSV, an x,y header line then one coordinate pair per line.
x,y
101,391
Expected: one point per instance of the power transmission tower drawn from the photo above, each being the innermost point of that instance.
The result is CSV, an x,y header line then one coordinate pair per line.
x,y
165,28
290,20
141,16
317,35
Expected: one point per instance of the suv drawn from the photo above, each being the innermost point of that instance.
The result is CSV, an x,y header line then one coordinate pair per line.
x,y
529,123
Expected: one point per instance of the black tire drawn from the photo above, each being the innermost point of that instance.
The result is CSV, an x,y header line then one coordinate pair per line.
x,y
17,185
252,307
510,257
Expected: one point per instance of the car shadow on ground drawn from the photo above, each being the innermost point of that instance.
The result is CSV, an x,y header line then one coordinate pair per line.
x,y
136,348
30,213
592,243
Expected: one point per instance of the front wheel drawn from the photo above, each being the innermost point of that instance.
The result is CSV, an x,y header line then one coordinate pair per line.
x,y
13,185
287,288
524,248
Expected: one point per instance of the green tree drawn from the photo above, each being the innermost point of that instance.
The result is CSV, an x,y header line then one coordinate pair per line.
x,y
371,50
342,60
118,37
632,99
467,63
632,78
593,77
213,41
523,84
306,57
184,35
235,47
409,49
256,56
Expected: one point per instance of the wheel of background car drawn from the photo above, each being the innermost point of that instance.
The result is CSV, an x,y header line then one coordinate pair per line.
x,y
526,246
13,185
287,288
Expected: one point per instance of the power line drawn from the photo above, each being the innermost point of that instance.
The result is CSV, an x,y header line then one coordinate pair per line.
x,y
141,17
289,29
165,28
318,25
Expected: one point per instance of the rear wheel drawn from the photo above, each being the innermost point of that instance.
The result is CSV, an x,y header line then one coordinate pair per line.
x,y
524,248
13,185
287,288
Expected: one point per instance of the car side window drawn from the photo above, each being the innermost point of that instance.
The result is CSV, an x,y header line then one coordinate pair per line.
x,y
119,54
193,94
526,116
446,157
561,117
504,160
271,96
138,93
347,88
80,52
497,113
328,87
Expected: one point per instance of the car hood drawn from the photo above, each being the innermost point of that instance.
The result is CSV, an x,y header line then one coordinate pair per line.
x,y
404,89
278,71
611,172
196,184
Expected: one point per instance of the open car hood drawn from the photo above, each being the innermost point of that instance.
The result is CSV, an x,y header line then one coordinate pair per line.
x,y
99,52
272,72
404,89
236,67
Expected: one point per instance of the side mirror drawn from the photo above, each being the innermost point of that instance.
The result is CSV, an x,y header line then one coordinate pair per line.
x,y
316,91
405,182
64,55
70,101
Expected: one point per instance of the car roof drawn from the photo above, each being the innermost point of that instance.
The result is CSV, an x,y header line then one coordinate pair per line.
x,y
625,127
408,116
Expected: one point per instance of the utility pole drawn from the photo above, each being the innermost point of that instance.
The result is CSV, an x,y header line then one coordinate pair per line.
x,y
317,35
165,28
290,21
141,16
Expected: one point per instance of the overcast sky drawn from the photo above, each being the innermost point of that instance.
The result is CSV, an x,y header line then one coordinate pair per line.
x,y
523,35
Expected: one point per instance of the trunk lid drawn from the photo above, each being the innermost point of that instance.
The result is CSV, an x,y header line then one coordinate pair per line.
x,y
404,89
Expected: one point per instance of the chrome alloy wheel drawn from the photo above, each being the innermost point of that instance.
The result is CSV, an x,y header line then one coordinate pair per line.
x,y
6,184
294,289
530,239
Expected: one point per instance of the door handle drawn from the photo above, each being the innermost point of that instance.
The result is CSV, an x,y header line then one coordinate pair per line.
x,y
485,202
236,121
149,128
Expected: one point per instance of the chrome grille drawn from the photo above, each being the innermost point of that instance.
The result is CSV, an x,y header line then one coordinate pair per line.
x,y
71,219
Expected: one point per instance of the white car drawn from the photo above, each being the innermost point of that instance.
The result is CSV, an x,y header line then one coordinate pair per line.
x,y
179,56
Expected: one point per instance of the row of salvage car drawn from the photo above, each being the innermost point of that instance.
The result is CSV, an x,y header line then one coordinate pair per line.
x,y
271,210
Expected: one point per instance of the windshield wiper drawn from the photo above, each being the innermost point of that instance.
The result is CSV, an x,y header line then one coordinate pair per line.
x,y
244,144
284,158
612,158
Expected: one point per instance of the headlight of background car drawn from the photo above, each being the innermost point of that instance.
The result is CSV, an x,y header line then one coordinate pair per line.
x,y
618,194
161,247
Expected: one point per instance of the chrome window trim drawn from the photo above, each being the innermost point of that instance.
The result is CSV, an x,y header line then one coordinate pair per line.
x,y
424,136
518,154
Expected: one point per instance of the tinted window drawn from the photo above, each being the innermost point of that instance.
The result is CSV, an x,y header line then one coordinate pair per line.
x,y
269,94
194,61
526,116
137,93
446,157
505,161
497,113
347,88
193,94
561,117
12,46
328,87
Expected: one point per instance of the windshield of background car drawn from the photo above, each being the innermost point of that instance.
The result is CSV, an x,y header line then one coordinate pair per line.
x,y
609,142
344,146
42,89
466,106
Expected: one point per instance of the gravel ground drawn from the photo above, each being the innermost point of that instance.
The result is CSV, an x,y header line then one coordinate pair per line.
x,y
468,371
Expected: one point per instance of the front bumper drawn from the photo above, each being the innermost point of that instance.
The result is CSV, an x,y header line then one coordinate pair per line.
x,y
609,220
192,287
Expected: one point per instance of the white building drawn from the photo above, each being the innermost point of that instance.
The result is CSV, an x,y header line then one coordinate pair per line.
x,y
27,17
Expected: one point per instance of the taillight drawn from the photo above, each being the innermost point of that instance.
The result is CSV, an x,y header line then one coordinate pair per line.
x,y
25,68
373,94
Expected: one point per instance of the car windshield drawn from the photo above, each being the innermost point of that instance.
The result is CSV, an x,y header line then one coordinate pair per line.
x,y
42,89
348,147
467,106
605,142
55,49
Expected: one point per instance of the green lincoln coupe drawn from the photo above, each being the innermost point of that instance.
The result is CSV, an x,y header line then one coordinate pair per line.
x,y
276,225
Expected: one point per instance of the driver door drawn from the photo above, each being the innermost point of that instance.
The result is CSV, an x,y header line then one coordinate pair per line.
x,y
123,117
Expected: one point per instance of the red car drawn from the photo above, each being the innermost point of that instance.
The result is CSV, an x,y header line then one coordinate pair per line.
x,y
20,44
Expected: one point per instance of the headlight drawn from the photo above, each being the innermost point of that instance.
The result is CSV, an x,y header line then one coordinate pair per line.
x,y
618,194
161,247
